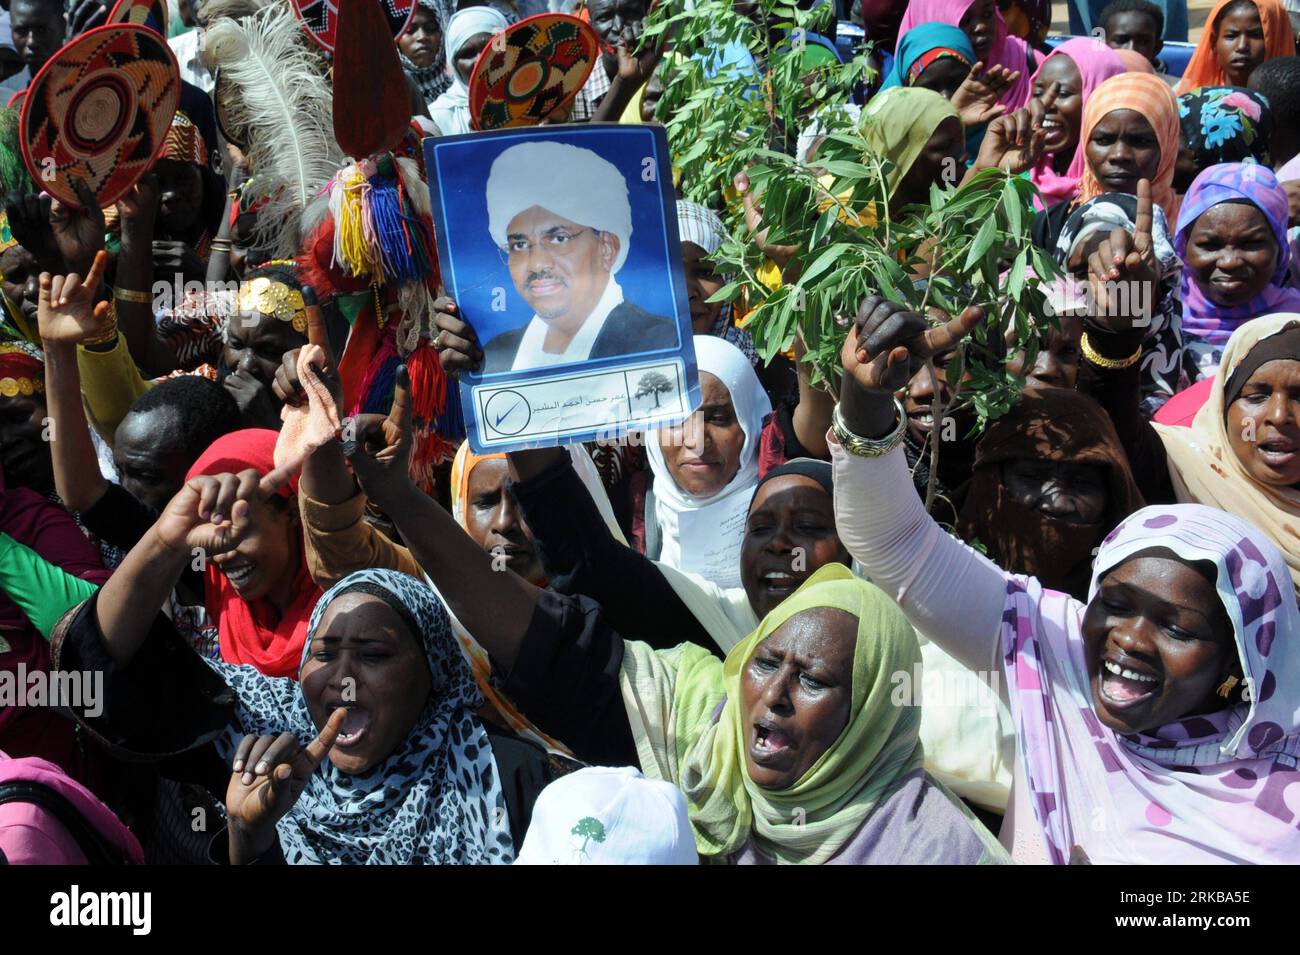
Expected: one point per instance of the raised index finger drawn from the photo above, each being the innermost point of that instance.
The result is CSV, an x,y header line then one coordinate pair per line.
x,y
1144,220
400,413
317,333
320,746
97,270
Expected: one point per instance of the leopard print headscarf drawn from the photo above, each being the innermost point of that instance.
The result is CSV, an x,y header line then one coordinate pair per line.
x,y
436,800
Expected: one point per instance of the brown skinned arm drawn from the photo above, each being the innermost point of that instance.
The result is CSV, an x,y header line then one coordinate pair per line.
x,y
132,597
497,607
812,416
135,320
76,467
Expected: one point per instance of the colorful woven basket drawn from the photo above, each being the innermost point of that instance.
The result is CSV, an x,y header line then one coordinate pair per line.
x,y
97,112
530,70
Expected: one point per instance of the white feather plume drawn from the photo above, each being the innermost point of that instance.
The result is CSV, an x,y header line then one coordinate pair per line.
x,y
281,97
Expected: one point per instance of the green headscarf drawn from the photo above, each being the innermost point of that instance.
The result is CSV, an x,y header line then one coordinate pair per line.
x,y
671,697
898,122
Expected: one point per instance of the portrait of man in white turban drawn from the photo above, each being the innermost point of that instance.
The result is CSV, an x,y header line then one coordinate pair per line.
x,y
562,219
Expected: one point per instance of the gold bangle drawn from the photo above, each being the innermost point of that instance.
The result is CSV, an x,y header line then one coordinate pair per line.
x,y
129,295
1101,361
110,330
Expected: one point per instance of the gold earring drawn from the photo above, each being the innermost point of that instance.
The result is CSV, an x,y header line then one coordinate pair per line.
x,y
1225,688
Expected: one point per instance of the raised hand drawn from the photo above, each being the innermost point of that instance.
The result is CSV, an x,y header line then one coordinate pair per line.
x,y
1123,272
140,204
78,232
1014,142
211,512
268,774
258,407
379,446
456,342
66,311
976,100
286,385
86,15
638,67
780,254
170,256
887,339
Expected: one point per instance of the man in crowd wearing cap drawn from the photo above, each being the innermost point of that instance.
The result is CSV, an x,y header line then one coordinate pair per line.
x,y
561,216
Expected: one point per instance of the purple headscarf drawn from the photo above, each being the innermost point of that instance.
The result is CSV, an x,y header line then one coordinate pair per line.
x,y
1205,788
1203,320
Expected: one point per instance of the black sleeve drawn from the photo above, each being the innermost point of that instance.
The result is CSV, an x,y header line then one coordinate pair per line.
x,y
581,557
164,707
118,517
566,679
526,769
1048,224
1119,391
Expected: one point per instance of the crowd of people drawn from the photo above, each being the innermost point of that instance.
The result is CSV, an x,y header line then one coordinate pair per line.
x,y
322,629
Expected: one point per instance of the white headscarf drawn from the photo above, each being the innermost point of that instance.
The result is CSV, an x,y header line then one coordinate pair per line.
x,y
567,180
451,110
703,535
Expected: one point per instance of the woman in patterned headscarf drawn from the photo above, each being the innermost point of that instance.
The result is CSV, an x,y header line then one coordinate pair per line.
x,y
1164,704
1221,124
702,234
375,754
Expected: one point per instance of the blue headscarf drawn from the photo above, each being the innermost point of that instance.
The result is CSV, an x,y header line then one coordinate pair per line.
x,y
919,41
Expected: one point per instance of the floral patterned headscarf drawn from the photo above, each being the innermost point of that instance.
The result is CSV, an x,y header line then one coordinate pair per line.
x,y
1226,124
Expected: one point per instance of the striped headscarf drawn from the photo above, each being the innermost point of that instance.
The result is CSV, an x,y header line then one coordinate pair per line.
x,y
1151,96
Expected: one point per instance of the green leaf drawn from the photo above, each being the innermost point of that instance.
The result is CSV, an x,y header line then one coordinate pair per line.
x,y
1011,203
983,241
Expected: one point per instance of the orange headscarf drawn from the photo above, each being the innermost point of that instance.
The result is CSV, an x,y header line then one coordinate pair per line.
x,y
1151,96
1135,62
1204,70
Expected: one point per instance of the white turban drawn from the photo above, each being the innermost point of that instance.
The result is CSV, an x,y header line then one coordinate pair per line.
x,y
567,180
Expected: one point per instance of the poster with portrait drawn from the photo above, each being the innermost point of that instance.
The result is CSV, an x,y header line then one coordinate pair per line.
x,y
559,245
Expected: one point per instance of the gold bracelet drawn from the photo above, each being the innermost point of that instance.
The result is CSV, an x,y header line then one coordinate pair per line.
x,y
110,330
129,295
1101,361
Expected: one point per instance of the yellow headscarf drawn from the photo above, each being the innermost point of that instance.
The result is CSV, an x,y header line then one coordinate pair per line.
x,y
1204,468
671,698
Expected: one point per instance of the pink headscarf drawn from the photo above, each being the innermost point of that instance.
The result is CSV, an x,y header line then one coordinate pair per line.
x,y
1096,63
1009,51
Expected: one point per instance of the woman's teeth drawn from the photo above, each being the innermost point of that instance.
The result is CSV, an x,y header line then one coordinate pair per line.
x,y
1129,674
238,575
1124,687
